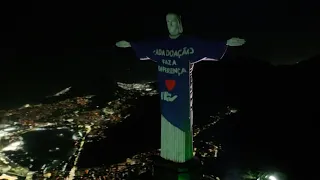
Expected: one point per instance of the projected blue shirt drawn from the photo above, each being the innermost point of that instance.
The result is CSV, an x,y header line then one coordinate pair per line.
x,y
175,59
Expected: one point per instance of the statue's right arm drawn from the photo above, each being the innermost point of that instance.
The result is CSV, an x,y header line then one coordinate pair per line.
x,y
143,50
123,44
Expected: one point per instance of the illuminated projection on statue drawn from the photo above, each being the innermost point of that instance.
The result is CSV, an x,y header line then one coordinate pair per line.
x,y
175,57
175,103
167,96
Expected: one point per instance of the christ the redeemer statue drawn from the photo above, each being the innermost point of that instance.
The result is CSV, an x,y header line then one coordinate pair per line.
x,y
176,57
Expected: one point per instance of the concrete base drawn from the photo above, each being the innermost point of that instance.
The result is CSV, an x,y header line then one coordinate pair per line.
x,y
168,170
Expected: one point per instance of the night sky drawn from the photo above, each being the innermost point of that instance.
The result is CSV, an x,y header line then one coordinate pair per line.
x,y
280,32
45,42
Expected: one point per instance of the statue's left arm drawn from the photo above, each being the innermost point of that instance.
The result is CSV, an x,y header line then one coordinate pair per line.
x,y
143,50
205,50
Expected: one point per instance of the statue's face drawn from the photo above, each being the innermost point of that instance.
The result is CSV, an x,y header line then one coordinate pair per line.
x,y
173,24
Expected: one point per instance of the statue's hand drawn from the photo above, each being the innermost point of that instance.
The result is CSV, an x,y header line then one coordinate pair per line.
x,y
235,42
123,44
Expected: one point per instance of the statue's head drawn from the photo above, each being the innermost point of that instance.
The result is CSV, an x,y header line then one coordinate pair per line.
x,y
174,25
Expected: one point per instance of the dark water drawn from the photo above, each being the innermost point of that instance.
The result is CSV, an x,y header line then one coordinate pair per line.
x,y
31,78
39,143
33,88
139,133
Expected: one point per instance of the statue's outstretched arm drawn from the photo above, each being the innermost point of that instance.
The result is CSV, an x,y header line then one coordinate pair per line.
x,y
123,44
143,50
236,42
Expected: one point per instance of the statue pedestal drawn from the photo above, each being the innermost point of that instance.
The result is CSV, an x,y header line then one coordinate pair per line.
x,y
168,170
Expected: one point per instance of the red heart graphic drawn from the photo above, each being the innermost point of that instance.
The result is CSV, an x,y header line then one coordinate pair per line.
x,y
170,84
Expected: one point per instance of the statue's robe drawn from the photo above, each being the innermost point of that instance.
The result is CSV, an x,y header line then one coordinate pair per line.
x,y
175,59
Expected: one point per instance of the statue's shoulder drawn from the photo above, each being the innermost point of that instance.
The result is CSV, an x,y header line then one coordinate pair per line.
x,y
188,39
192,38
157,40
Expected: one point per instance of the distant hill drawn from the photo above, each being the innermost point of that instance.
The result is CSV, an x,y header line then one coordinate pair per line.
x,y
312,62
254,84
278,108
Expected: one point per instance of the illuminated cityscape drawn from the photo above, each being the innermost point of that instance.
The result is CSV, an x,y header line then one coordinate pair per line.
x,y
68,126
